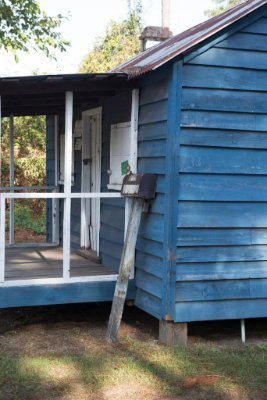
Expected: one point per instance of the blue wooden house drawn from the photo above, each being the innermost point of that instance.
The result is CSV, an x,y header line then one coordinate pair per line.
x,y
192,110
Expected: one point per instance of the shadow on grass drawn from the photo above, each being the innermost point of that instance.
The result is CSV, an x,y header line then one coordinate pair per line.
x,y
241,373
67,358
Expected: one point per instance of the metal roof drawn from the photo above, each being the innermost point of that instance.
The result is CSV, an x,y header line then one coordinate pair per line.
x,y
45,94
177,45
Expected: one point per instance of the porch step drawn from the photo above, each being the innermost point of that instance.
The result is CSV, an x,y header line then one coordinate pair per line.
x,y
89,255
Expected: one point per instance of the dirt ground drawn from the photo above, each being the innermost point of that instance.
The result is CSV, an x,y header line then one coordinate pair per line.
x,y
27,236
59,352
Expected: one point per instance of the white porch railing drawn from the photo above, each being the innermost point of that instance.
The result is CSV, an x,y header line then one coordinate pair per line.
x,y
67,195
66,237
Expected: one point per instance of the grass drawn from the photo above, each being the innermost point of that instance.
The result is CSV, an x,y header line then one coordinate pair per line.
x,y
68,358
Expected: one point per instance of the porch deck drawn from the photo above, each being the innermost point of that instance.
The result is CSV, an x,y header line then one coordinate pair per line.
x,y
27,283
47,262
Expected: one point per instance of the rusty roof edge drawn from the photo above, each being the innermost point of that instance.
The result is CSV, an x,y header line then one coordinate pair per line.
x,y
222,21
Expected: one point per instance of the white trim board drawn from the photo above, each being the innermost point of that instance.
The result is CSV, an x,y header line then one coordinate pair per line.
x,y
58,281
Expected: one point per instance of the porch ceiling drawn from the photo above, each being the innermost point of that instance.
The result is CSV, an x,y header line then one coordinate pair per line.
x,y
45,94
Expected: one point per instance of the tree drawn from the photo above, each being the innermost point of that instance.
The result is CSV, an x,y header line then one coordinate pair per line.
x,y
221,6
29,151
23,25
120,42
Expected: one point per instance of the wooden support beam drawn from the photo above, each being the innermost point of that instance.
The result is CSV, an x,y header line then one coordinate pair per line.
x,y
67,184
126,266
61,87
133,155
173,334
1,141
133,150
55,202
2,237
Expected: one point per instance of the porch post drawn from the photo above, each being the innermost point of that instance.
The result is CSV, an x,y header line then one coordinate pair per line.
x,y
55,202
67,183
0,141
2,236
11,178
2,210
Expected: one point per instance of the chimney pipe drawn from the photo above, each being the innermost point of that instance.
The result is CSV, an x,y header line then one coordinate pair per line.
x,y
165,13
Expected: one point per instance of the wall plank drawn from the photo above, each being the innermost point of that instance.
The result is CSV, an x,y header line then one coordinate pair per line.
x,y
222,215
222,161
208,187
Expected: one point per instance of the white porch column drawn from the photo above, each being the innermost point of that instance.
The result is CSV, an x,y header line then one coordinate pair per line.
x,y
67,183
0,141
2,211
55,202
11,178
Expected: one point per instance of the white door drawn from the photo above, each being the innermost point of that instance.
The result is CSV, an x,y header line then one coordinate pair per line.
x,y
91,178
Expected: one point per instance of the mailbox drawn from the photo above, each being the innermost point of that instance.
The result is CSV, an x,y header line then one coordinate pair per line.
x,y
139,185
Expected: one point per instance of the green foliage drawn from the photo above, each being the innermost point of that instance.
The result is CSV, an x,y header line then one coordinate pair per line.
x,y
221,6
30,168
29,149
120,42
23,25
25,217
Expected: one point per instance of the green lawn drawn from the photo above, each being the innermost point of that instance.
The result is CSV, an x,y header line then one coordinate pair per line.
x,y
53,355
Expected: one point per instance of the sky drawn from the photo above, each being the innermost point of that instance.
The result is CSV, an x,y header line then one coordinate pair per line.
x,y
87,20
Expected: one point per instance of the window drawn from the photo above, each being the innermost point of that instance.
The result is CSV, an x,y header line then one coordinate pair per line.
x,y
62,161
119,154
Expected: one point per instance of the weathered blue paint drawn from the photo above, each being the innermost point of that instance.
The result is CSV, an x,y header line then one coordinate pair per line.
x,y
153,147
202,250
115,110
39,295
221,225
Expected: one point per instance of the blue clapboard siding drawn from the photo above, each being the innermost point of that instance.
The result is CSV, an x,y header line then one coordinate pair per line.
x,y
39,295
222,203
114,111
152,157
50,171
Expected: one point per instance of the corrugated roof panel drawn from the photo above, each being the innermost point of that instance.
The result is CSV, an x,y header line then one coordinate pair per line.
x,y
177,45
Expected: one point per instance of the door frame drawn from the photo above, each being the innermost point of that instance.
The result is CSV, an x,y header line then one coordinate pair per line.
x,y
87,204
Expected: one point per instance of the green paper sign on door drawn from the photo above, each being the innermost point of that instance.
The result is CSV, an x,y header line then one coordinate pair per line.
x,y
124,167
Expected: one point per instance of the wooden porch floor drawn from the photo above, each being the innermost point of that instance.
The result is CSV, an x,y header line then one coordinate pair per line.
x,y
46,262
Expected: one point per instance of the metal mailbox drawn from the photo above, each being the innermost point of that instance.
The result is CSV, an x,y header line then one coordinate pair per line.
x,y
139,185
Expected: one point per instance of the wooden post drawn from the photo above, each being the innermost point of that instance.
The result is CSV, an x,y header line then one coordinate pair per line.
x,y
133,155
0,141
2,236
55,202
173,334
11,178
126,265
67,184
